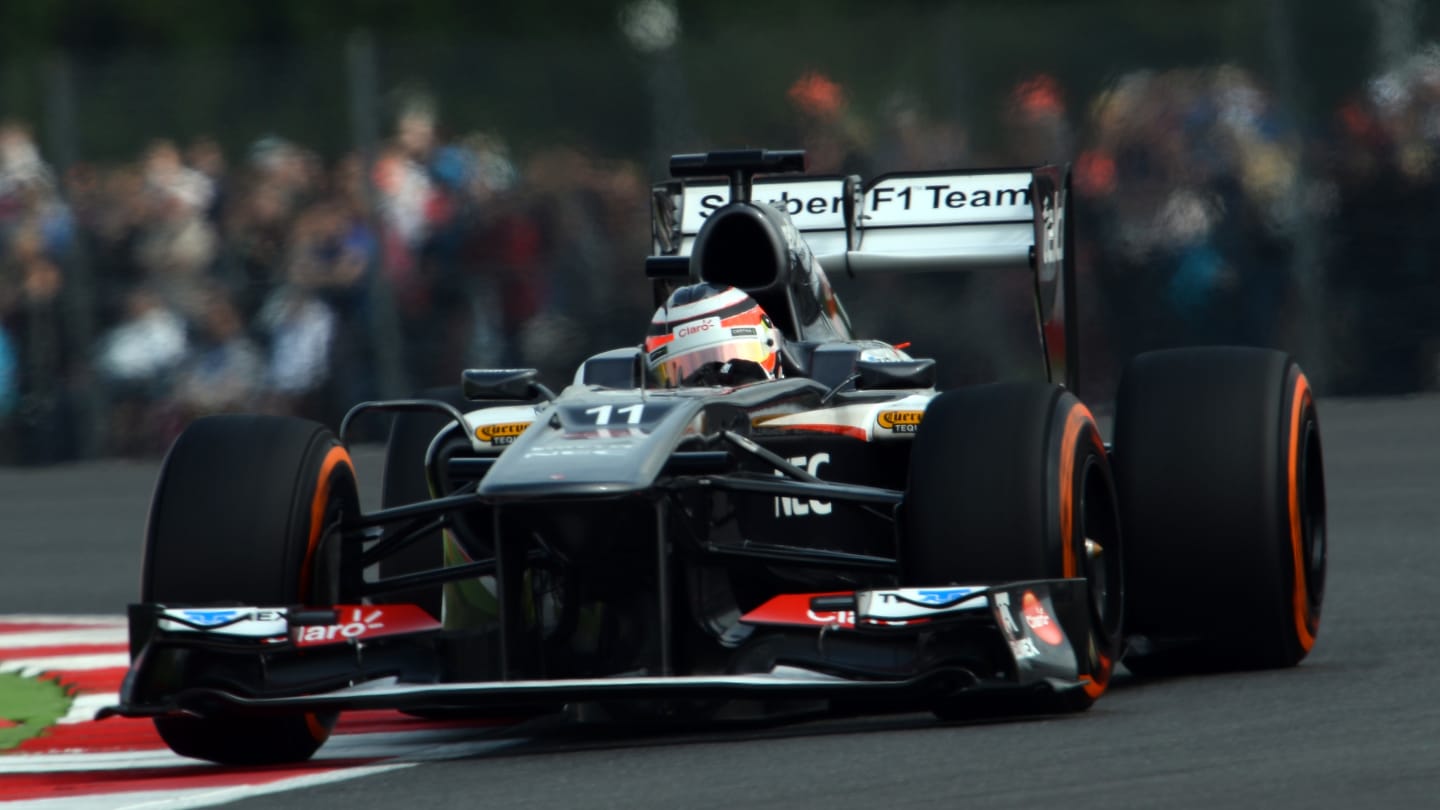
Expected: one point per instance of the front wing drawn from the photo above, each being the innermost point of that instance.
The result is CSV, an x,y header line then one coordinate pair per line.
x,y
905,647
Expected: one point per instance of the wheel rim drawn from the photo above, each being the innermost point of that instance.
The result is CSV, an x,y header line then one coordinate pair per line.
x,y
1313,540
326,584
1100,548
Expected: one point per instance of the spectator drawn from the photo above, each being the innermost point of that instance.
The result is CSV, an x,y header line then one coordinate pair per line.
x,y
328,263
205,157
136,361
277,183
301,332
142,350
30,301
225,372
20,163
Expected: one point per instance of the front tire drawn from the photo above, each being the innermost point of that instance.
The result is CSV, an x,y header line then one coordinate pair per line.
x,y
1222,489
245,512
1008,482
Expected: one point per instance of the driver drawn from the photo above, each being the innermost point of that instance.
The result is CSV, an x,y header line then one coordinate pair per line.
x,y
706,334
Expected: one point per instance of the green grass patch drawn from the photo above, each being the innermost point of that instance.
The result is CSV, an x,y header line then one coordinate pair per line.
x,y
28,706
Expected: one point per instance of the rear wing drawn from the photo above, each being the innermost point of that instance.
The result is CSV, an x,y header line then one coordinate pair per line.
x,y
988,220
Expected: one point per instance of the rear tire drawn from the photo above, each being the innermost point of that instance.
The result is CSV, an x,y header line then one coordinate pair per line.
x,y
1222,492
244,513
1007,481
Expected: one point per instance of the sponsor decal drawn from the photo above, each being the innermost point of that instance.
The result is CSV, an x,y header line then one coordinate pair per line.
x,y
246,622
609,448
210,618
898,201
788,506
796,609
740,331
1024,649
917,605
504,433
940,196
1007,620
699,326
659,353
1039,621
900,421
1052,247
362,622
836,618
1007,193
943,597
796,199
928,597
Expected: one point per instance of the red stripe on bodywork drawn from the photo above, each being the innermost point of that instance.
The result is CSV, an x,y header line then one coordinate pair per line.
x,y
374,721
839,430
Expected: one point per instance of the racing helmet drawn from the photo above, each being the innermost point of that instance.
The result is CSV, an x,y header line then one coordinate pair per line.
x,y
708,334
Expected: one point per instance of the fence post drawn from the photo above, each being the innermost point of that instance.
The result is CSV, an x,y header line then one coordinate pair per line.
x,y
1307,262
79,292
363,85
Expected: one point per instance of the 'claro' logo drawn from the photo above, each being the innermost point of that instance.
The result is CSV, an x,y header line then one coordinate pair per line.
x,y
900,421
503,433
698,326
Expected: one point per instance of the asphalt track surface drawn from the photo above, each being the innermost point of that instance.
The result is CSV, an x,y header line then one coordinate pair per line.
x,y
1356,724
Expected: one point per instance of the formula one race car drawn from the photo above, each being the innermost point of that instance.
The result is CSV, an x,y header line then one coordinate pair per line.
x,y
752,512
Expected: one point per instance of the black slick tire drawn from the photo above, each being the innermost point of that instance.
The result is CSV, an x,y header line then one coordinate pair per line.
x,y
1007,482
1222,492
244,513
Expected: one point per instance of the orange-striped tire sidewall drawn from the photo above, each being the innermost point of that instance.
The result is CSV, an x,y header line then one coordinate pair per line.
x,y
1078,422
1305,621
320,725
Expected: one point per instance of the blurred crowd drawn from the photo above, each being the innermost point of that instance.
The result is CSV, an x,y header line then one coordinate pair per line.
x,y
1382,165
137,295
1190,206
1210,216
1205,214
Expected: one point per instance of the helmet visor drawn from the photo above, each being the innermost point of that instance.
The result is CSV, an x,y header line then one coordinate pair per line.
x,y
687,368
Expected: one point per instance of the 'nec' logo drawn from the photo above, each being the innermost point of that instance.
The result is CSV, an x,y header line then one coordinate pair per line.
x,y
787,506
